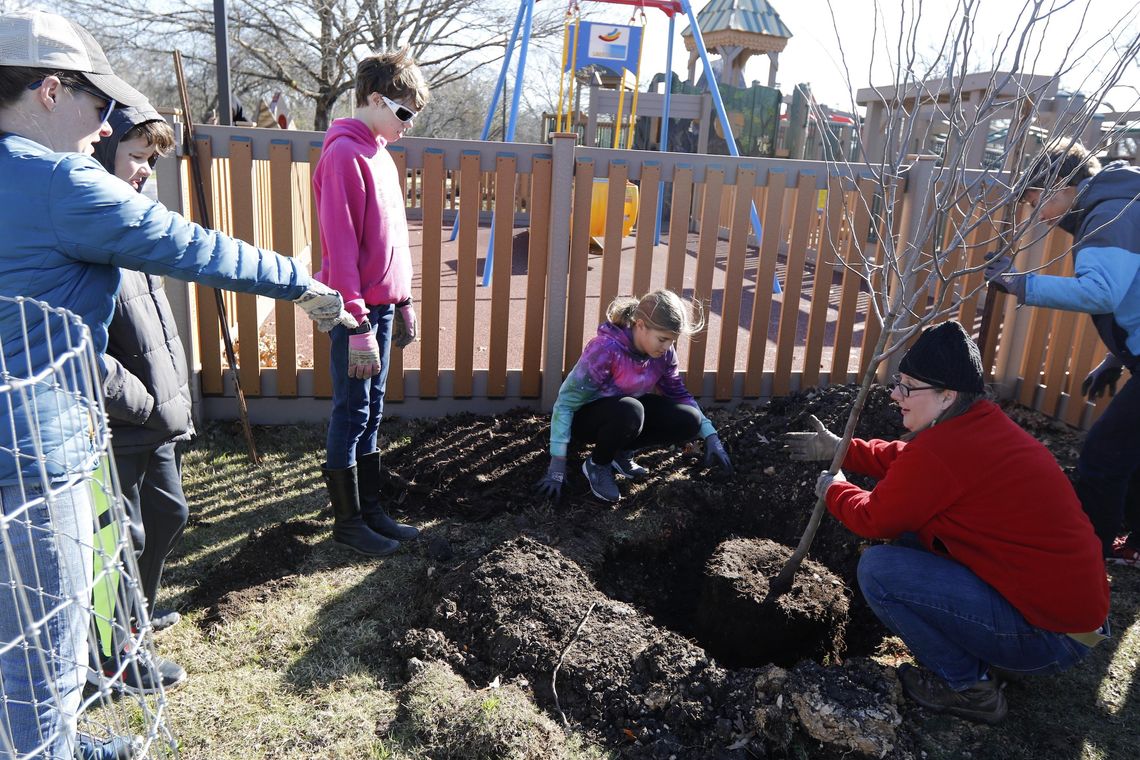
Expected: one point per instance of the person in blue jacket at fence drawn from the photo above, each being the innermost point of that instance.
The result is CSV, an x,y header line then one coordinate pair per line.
x,y
1101,209
625,394
68,228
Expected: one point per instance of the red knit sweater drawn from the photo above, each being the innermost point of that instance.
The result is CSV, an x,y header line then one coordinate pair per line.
x,y
982,491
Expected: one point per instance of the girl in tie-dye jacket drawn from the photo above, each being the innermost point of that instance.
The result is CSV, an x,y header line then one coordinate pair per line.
x,y
625,394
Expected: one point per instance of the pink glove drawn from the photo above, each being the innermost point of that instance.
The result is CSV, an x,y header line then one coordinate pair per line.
x,y
363,356
407,327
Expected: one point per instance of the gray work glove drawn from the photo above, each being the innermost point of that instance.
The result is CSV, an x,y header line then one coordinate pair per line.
x,y
1104,377
816,446
407,327
715,454
325,306
550,485
824,481
1001,274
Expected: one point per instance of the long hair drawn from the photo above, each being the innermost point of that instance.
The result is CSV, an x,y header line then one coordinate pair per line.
x,y
660,310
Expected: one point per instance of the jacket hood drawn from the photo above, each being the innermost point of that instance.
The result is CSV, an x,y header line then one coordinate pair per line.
x,y
623,336
1117,181
354,131
122,120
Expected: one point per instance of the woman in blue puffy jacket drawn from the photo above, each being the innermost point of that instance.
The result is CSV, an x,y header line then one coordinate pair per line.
x,y
68,227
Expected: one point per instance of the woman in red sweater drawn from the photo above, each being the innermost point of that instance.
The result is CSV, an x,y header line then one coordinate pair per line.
x,y
996,563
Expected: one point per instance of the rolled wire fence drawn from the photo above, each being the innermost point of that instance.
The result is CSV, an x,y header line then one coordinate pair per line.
x,y
73,621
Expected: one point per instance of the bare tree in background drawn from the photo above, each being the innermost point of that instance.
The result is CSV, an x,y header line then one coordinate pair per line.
x,y
928,208
309,48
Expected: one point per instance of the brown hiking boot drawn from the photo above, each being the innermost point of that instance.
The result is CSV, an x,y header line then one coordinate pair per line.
x,y
984,701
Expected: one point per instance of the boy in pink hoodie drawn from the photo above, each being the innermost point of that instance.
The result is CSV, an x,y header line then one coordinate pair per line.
x,y
365,256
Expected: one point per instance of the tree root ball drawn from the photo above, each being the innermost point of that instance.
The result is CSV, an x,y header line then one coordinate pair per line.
x,y
741,627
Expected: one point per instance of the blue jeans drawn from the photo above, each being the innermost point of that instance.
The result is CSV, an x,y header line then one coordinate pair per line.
x,y
358,405
45,589
954,623
1108,465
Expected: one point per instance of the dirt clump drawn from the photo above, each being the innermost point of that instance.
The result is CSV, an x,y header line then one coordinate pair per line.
x,y
455,722
642,687
742,625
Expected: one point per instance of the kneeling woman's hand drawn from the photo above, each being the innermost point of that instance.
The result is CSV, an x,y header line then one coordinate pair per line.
x,y
551,483
824,481
715,454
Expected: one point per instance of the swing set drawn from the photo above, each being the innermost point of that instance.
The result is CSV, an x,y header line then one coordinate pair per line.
x,y
618,49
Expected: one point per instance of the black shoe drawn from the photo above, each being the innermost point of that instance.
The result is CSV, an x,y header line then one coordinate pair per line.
x,y
376,518
145,674
115,748
601,479
984,701
356,535
349,528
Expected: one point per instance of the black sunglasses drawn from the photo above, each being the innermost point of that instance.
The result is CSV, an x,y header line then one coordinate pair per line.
x,y
103,115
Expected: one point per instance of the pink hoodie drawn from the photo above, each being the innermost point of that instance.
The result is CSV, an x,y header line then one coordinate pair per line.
x,y
364,231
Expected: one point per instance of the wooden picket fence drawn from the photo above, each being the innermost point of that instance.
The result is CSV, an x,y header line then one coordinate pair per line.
x,y
484,349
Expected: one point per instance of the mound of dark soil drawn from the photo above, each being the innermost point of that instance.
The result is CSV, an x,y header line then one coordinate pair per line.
x,y
526,608
741,624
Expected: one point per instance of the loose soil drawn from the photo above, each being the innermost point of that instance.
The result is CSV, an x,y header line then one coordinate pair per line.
x,y
645,623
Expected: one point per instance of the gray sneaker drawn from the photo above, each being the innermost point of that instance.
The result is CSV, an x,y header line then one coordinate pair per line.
x,y
625,466
984,701
601,479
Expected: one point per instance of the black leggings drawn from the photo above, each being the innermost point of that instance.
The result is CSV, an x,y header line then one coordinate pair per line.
x,y
622,423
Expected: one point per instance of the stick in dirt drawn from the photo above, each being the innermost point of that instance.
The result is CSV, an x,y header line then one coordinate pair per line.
x,y
561,657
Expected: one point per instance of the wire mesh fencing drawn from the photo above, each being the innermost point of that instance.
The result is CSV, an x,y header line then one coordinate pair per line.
x,y
74,631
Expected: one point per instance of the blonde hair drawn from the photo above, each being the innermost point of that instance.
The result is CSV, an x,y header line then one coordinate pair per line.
x,y
660,310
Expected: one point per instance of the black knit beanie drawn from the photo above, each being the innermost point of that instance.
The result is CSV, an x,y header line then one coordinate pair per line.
x,y
947,357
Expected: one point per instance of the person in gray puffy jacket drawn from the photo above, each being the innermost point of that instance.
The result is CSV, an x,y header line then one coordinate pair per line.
x,y
148,402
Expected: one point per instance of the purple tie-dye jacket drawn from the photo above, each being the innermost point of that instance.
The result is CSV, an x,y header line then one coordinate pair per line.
x,y
611,366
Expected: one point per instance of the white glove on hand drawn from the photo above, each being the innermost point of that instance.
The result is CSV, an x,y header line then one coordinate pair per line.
x,y
824,481
812,447
325,306
407,328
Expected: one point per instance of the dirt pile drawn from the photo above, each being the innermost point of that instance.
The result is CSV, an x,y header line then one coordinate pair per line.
x,y
526,608
740,623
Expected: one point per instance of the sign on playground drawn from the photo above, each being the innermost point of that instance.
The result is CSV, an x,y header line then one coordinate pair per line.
x,y
610,46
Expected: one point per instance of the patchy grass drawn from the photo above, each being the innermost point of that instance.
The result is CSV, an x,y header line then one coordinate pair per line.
x,y
302,666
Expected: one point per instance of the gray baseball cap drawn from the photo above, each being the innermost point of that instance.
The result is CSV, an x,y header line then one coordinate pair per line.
x,y
48,41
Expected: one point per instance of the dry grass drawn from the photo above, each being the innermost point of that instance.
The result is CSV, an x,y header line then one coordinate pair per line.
x,y
305,670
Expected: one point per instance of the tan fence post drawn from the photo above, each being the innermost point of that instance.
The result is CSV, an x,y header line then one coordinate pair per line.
x,y
561,187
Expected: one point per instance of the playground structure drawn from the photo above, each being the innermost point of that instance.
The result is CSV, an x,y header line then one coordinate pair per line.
x,y
618,49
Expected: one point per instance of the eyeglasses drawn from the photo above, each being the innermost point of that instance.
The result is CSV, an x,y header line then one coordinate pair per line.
x,y
905,390
403,113
103,115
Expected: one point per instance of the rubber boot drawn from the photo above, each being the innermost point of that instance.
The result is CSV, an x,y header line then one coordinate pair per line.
x,y
349,528
368,472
